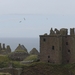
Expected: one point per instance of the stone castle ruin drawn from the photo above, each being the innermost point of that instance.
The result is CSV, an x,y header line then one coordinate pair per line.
x,y
34,51
5,50
58,47
19,54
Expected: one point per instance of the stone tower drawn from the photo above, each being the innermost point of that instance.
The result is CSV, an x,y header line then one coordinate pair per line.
x,y
58,47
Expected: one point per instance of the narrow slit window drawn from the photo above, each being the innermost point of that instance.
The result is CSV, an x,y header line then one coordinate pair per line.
x,y
44,39
67,61
66,43
48,56
68,50
52,47
48,61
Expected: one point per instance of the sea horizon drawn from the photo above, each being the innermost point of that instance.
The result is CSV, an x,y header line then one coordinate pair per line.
x,y
13,42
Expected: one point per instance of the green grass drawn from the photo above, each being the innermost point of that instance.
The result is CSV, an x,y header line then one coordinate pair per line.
x,y
17,64
4,60
41,68
31,57
38,68
20,51
1,73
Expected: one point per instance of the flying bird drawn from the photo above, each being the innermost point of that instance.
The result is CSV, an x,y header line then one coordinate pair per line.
x,y
46,18
20,21
24,19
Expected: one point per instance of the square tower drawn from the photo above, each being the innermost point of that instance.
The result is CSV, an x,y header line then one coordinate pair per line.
x,y
57,47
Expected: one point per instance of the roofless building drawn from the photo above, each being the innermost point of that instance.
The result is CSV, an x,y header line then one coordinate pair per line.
x,y
58,47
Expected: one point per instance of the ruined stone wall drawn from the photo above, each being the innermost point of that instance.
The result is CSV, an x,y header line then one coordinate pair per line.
x,y
50,49
12,71
58,46
68,49
5,50
19,56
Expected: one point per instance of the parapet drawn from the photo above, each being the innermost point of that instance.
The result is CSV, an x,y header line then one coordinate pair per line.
x,y
64,31
72,31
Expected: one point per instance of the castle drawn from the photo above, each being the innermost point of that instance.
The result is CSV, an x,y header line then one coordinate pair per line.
x,y
19,54
58,47
5,50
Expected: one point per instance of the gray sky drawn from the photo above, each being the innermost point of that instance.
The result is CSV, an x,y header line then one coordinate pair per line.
x,y
37,7
40,16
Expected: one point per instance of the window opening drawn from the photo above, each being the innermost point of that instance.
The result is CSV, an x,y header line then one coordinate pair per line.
x,y
48,56
52,47
66,43
44,39
67,61
68,50
48,61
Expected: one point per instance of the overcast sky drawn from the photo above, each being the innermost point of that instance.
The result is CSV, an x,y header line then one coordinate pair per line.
x,y
37,7
40,16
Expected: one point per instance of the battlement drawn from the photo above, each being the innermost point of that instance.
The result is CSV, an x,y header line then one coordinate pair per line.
x,y
58,47
62,31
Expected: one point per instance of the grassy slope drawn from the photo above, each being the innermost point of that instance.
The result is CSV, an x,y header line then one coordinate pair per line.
x,y
48,69
4,73
40,68
31,57
4,60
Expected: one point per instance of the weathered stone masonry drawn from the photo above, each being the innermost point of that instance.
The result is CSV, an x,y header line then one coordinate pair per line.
x,y
58,47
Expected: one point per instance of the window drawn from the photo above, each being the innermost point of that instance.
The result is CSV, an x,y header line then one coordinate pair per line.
x,y
48,56
48,61
66,43
52,47
68,50
44,39
67,61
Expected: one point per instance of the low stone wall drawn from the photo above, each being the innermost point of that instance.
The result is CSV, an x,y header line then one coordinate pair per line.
x,y
12,71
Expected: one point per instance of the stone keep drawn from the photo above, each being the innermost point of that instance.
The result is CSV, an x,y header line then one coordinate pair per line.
x,y
58,47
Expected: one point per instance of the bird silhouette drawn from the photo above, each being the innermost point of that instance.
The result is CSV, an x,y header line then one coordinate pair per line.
x,y
24,19
20,21
46,18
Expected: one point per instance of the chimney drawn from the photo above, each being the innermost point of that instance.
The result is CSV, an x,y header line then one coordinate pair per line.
x,y
3,46
8,48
